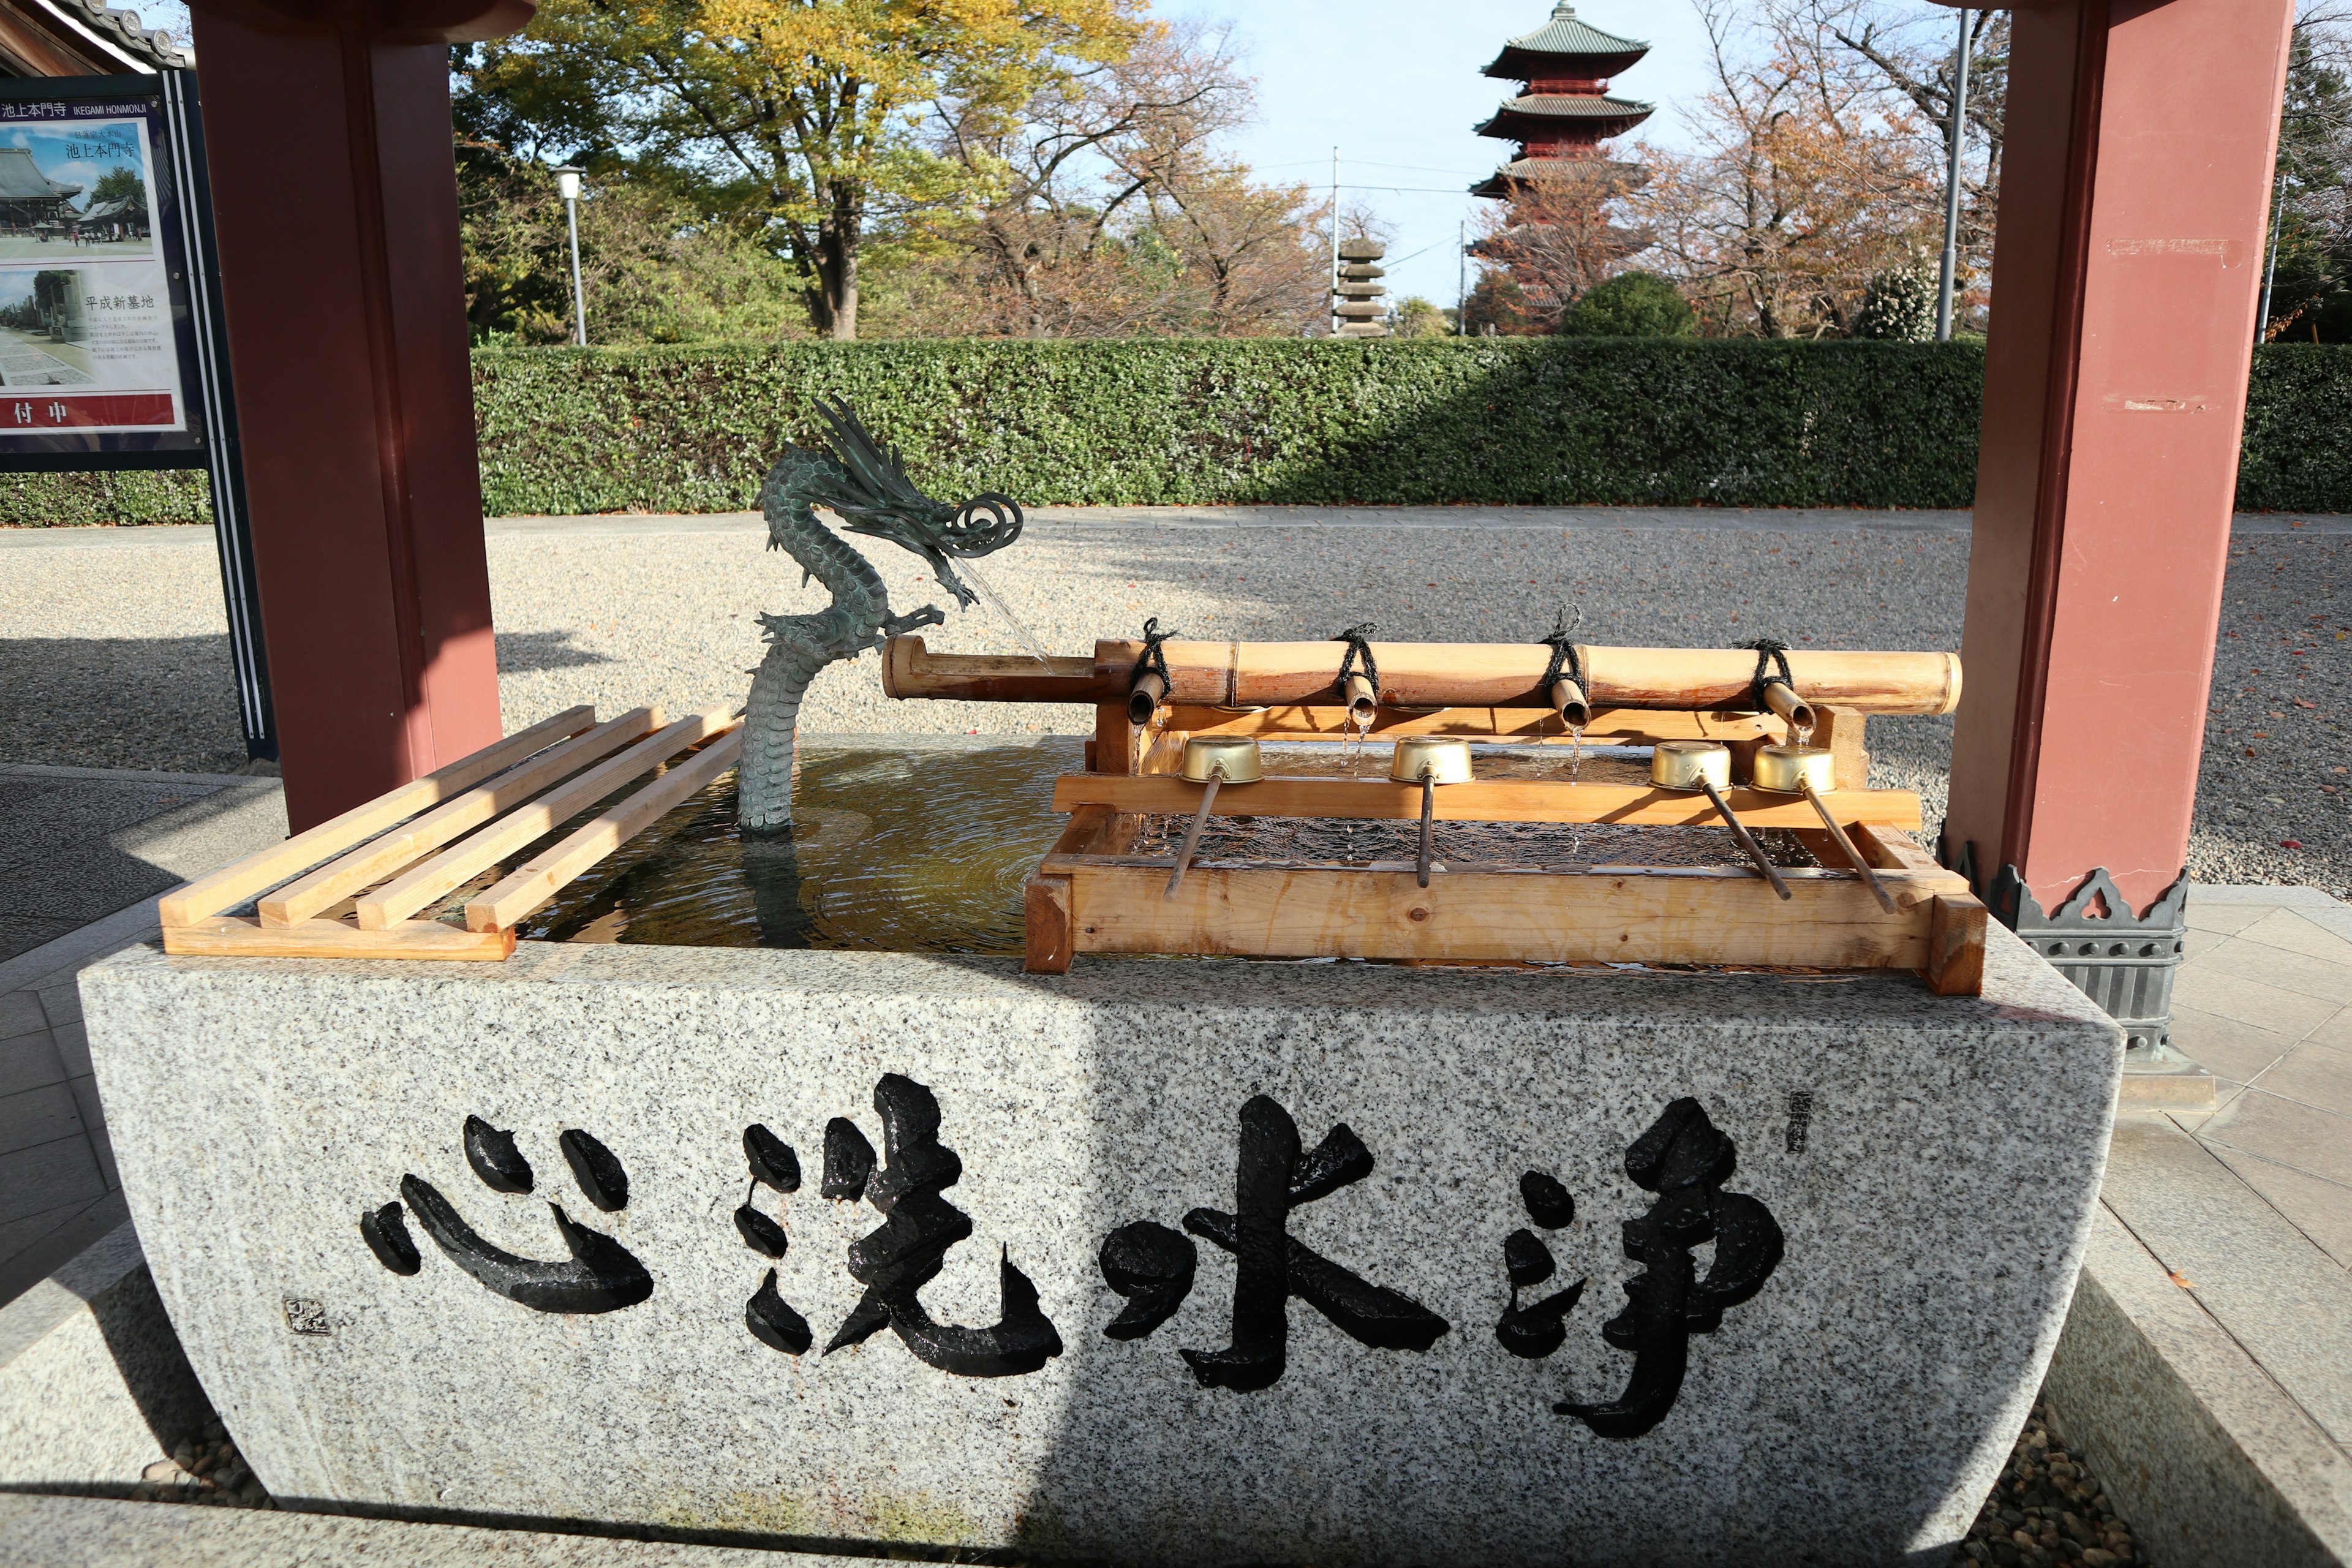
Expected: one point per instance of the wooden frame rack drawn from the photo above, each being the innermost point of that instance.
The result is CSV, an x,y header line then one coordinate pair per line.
x,y
352,887
1092,893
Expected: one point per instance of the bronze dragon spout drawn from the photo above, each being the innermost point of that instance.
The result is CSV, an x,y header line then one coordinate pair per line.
x,y
866,486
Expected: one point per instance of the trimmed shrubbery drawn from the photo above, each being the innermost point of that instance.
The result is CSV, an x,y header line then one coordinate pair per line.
x,y
1632,422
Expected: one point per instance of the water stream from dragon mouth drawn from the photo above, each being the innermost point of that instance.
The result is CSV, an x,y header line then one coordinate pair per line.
x,y
915,846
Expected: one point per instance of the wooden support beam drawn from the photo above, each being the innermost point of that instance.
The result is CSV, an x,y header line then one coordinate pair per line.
x,y
528,888
1524,726
1497,800
207,895
371,863
236,936
1684,915
1046,947
454,867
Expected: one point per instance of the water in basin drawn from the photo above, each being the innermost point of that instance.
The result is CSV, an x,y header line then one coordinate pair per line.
x,y
914,847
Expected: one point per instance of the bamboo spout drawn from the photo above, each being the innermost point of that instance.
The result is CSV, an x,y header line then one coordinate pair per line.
x,y
1363,702
1568,701
1430,675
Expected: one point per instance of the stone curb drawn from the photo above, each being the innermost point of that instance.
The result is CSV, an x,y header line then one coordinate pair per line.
x,y
38,1531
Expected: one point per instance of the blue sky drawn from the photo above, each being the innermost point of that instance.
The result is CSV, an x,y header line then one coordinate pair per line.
x,y
1396,86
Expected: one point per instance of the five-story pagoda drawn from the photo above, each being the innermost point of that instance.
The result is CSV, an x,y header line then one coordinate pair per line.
x,y
1566,111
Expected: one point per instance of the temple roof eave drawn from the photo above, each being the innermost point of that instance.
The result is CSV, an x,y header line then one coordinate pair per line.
x,y
1515,64
1515,124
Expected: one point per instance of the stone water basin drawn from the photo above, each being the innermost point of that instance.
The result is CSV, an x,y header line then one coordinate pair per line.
x,y
1182,1262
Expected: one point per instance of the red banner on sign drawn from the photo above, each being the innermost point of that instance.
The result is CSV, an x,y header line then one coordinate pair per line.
x,y
65,411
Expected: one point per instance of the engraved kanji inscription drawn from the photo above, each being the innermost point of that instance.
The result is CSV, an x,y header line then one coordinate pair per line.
x,y
1684,1160
1152,1266
895,1262
599,1275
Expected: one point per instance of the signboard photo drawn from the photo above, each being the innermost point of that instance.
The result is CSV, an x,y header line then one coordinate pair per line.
x,y
97,351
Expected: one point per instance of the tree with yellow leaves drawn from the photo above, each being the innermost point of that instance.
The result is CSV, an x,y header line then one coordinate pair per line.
x,y
807,113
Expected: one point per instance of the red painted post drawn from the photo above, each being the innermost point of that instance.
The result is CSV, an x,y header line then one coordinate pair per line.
x,y
328,139
2135,191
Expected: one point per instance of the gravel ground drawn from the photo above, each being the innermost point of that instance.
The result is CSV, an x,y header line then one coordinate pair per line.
x,y
2048,1508
115,656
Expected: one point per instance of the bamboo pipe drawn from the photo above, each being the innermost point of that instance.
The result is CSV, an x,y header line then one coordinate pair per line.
x,y
1568,701
1788,706
1363,702
1430,675
1144,699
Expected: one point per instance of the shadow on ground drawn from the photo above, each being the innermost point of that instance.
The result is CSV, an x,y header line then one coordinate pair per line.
x,y
164,703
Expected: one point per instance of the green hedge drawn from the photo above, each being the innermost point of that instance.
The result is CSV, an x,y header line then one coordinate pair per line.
x,y
2298,449
1624,421
1203,421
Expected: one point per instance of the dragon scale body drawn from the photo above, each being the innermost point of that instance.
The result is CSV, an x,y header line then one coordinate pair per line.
x,y
864,485
799,646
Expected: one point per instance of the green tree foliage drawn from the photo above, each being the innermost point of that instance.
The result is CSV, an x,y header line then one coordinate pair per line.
x,y
808,114
662,261
117,183
1631,305
1417,318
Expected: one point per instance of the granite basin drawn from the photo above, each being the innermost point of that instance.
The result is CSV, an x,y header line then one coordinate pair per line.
x,y
1187,1262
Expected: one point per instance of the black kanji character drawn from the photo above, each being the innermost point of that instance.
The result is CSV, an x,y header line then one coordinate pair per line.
x,y
601,1275
1686,1161
771,1318
1538,1331
1152,1266
895,1262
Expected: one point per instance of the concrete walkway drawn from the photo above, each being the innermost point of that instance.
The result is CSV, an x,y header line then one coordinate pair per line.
x,y
82,853
2264,1003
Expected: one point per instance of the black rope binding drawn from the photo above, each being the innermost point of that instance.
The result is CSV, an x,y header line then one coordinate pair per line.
x,y
1358,648
1155,657
1767,651
1564,657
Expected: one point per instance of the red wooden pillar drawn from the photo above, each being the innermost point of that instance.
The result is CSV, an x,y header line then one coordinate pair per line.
x,y
328,137
2135,195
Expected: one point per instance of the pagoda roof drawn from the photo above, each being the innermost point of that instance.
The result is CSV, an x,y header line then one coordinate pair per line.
x,y
21,179
1564,38
1516,117
1556,173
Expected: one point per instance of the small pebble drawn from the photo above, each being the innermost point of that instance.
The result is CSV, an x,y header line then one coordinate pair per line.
x,y
2047,1506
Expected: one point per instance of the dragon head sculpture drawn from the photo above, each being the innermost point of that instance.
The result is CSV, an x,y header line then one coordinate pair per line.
x,y
875,497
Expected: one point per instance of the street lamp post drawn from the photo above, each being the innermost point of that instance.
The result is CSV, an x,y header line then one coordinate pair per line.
x,y
567,186
1950,269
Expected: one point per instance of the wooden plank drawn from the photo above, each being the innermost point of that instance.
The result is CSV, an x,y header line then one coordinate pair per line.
x,y
1840,731
454,866
533,885
1609,726
234,936
1890,848
1497,800
1115,739
373,862
1046,948
235,883
1956,943
1685,916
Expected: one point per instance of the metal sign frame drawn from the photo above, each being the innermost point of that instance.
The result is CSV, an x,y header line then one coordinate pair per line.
x,y
182,225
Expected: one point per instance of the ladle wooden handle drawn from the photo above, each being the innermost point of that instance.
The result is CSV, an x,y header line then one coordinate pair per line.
x,y
1747,839
1845,846
1428,811
1192,834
